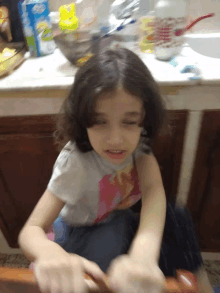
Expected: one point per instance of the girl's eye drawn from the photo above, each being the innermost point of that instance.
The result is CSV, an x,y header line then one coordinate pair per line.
x,y
99,122
130,122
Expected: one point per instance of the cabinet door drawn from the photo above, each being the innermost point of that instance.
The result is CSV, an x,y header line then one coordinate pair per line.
x,y
204,199
168,150
27,155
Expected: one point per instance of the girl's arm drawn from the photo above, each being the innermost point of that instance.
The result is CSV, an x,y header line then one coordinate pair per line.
x,y
55,269
147,242
32,238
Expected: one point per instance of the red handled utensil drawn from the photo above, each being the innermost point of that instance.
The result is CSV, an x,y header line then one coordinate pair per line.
x,y
20,280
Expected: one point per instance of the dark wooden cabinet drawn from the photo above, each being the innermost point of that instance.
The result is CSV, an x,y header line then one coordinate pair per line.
x,y
204,196
28,153
168,149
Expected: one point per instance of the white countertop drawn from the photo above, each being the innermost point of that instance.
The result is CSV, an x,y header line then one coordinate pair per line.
x,y
56,72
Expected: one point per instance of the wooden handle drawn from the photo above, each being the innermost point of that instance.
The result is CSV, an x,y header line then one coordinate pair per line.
x,y
184,282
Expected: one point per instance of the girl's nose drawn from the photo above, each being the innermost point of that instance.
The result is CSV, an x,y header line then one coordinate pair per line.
x,y
115,137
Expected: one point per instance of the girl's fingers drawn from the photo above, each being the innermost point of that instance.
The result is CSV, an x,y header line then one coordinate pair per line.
x,y
93,269
66,282
55,283
42,280
93,287
78,281
97,275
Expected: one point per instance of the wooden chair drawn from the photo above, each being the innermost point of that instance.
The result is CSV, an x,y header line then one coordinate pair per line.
x,y
20,280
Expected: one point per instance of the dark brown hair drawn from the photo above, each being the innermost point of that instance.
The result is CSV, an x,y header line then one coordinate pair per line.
x,y
102,73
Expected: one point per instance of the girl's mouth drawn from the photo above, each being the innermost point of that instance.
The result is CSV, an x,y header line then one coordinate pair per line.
x,y
116,154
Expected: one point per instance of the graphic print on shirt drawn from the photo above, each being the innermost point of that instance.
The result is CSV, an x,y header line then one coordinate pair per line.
x,y
118,191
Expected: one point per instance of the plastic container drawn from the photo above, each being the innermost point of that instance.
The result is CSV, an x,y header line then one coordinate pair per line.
x,y
146,26
37,26
12,62
170,15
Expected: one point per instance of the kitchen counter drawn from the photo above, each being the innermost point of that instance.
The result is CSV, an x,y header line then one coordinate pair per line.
x,y
56,72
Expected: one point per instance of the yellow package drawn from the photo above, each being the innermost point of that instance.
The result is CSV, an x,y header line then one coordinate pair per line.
x,y
68,19
147,33
82,61
6,53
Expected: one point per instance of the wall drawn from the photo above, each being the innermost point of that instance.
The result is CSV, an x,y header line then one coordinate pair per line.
x,y
197,8
4,248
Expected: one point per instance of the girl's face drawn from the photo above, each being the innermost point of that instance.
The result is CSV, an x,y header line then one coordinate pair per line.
x,y
116,134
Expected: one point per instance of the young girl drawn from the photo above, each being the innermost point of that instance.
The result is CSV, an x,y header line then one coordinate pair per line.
x,y
109,120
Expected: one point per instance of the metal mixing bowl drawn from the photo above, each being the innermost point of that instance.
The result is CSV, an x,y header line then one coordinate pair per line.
x,y
73,46
74,49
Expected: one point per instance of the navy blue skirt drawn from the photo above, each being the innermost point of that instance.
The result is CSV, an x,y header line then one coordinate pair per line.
x,y
103,242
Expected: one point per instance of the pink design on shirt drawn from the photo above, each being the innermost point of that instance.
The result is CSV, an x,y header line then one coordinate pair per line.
x,y
120,192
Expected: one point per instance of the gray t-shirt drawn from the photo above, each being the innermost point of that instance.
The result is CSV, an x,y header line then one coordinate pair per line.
x,y
91,187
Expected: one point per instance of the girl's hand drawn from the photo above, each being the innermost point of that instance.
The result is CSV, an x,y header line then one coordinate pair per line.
x,y
64,273
128,276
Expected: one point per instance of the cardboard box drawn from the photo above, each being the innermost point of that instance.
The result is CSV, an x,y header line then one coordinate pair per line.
x,y
37,26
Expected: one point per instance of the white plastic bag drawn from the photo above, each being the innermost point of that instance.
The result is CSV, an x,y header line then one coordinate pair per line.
x,y
125,14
